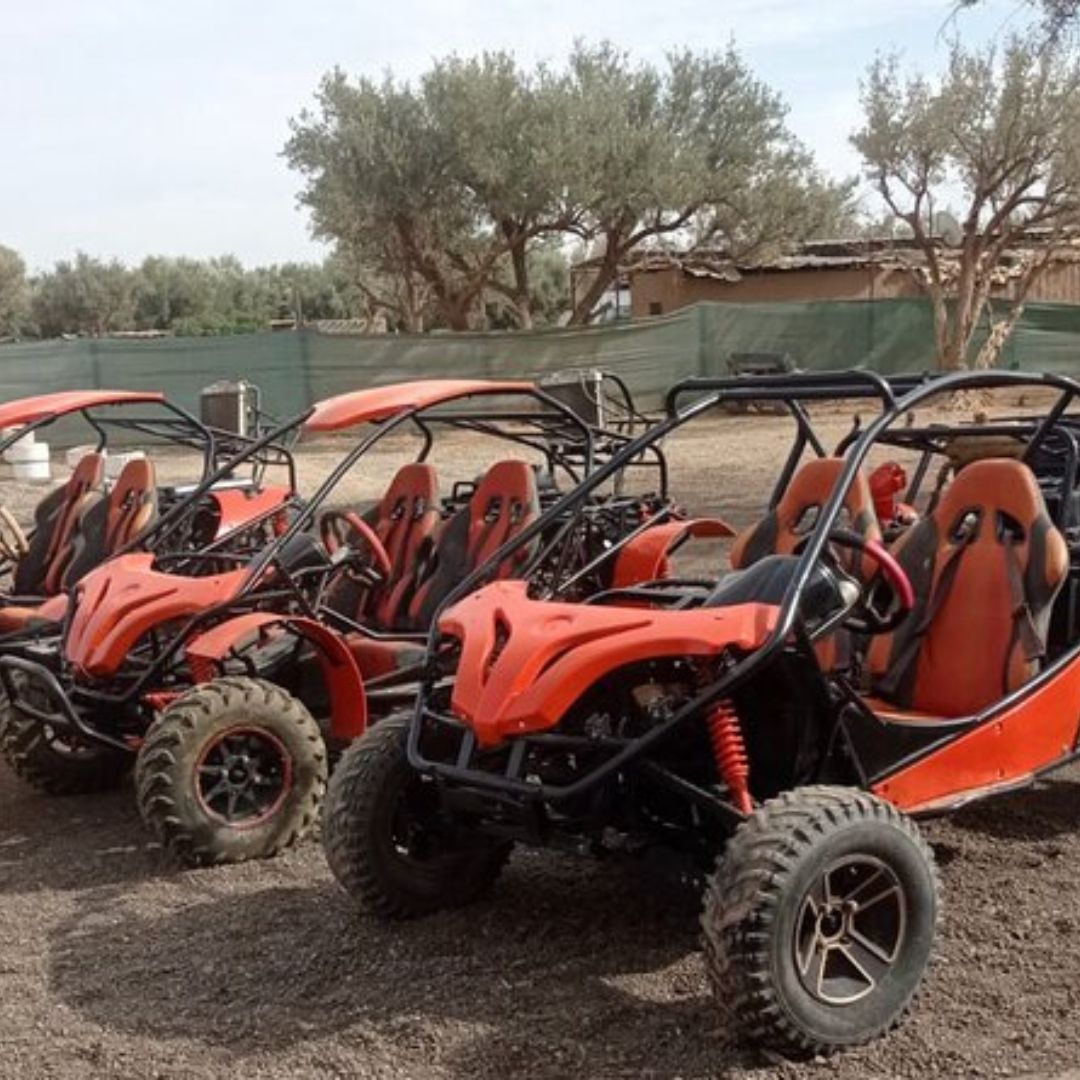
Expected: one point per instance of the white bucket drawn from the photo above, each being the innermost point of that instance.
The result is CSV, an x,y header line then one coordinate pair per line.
x,y
26,450
31,463
114,463
6,433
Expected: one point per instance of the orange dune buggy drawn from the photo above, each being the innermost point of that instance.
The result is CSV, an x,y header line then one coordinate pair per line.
x,y
90,517
177,663
779,727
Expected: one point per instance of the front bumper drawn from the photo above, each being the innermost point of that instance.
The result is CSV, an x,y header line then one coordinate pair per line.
x,y
500,783
36,693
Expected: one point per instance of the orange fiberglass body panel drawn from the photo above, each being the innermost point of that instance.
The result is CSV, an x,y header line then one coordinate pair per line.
x,y
240,507
1007,748
343,679
382,402
525,662
647,556
123,599
31,409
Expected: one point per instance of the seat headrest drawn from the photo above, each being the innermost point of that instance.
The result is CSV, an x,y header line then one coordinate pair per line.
x,y
783,528
992,484
511,480
812,485
417,481
132,502
137,477
89,473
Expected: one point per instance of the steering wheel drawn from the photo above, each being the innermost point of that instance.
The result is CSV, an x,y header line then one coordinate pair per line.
x,y
888,597
340,531
13,542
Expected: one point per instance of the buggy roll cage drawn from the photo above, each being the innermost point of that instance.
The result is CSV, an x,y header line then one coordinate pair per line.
x,y
180,428
250,595
386,409
575,456
897,395
270,449
222,451
791,390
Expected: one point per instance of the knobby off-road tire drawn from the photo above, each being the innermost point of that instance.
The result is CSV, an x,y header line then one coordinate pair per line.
x,y
54,764
803,885
233,770
374,836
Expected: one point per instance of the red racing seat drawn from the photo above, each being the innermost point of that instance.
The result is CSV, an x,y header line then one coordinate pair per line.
x,y
505,501
986,566
789,523
405,520
40,571
99,530
116,520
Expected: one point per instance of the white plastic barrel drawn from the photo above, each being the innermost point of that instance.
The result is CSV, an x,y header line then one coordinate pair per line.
x,y
29,461
7,432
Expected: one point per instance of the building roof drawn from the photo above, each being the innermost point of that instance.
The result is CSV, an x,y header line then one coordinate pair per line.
x,y
887,253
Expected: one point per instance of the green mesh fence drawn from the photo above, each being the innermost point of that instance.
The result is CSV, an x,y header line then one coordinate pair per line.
x,y
294,369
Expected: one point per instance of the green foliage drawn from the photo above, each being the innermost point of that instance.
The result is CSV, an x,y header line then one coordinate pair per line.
x,y
84,296
1056,18
199,297
437,194
14,293
998,131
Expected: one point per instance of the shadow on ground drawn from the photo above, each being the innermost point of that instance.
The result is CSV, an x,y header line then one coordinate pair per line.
x,y
1050,809
547,977
72,843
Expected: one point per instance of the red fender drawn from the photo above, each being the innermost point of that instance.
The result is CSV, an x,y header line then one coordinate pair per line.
x,y
348,716
646,557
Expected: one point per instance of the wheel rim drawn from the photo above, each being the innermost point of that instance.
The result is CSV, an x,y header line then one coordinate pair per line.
x,y
850,929
243,777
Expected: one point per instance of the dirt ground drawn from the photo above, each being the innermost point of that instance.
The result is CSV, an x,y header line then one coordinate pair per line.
x,y
114,964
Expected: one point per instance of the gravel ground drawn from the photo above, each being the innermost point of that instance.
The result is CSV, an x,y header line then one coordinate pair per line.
x,y
113,964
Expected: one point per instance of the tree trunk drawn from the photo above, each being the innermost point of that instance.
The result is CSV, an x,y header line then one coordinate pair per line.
x,y
1000,332
519,261
455,309
606,273
942,331
412,311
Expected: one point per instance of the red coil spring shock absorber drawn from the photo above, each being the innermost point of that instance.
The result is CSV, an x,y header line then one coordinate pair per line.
x,y
729,753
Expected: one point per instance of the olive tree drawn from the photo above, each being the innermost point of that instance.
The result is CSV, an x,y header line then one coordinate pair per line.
x,y
998,131
446,187
14,293
699,152
1055,17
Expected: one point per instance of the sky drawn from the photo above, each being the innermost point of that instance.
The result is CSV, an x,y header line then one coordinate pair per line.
x,y
136,127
